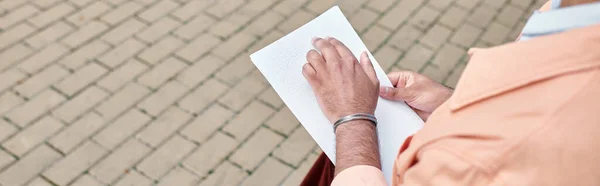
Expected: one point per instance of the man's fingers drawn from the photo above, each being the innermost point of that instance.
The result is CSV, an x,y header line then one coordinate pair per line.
x,y
316,60
399,78
328,51
343,51
367,66
396,94
309,73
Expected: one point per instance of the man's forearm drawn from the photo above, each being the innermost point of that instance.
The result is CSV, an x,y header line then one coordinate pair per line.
x,y
356,144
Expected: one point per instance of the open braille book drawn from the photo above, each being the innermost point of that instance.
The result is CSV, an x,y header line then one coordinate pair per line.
x,y
281,63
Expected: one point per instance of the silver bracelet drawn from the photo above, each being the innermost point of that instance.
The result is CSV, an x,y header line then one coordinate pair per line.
x,y
352,117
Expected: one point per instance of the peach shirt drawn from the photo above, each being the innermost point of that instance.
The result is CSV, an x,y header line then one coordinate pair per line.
x,y
524,113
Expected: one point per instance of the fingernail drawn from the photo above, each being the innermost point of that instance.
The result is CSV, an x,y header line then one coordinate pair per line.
x,y
314,40
365,54
383,90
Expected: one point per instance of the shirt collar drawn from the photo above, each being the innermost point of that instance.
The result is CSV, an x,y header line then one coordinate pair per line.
x,y
561,19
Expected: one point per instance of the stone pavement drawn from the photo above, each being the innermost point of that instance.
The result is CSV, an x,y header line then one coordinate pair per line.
x,y
143,92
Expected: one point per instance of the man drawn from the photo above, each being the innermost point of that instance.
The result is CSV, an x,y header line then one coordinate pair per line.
x,y
524,113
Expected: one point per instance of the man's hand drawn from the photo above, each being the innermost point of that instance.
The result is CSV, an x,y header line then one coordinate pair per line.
x,y
341,84
343,87
422,94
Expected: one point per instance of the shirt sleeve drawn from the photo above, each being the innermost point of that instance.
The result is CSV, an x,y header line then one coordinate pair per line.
x,y
360,175
440,167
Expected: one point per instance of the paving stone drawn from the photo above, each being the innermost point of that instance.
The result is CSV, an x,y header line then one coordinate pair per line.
x,y
43,58
466,35
363,19
88,13
440,4
8,101
84,54
160,50
452,80
397,15
203,96
436,36
374,37
39,182
51,15
425,17
165,125
448,56
80,3
494,4
523,4
289,7
225,28
435,73
14,34
496,34
158,29
158,10
163,97
242,93
165,157
270,97
198,47
178,176
264,23
405,37
453,17
11,4
76,133
237,70
122,75
121,159
192,8
10,78
80,79
121,13
86,180
467,4
256,149
32,136
84,34
295,21
6,130
509,16
195,26
254,8
199,71
134,178
271,172
266,40
387,57
119,54
482,16
295,147
49,35
210,154
12,55
207,123
117,131
416,58
81,103
222,8
121,101
29,166
35,107
283,121
320,6
75,163
225,174
380,5
18,15
233,46
161,72
124,31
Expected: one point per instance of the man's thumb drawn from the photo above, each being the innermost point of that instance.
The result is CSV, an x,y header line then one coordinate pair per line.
x,y
391,93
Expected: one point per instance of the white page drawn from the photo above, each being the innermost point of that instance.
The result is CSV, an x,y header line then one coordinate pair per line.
x,y
281,63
